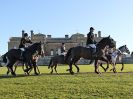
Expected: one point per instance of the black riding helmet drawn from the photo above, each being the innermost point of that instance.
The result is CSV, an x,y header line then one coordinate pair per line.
x,y
25,34
91,28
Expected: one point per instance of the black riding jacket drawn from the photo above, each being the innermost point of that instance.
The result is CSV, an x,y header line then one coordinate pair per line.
x,y
90,38
23,42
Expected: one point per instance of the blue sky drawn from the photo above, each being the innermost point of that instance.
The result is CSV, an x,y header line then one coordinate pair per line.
x,y
60,17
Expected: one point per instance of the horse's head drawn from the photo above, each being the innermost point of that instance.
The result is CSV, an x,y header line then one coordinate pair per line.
x,y
39,48
124,49
107,41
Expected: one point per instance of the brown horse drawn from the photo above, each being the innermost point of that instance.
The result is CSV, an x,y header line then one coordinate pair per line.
x,y
75,53
13,55
59,59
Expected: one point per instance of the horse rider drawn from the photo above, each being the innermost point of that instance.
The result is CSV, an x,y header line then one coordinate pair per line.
x,y
63,49
91,42
25,39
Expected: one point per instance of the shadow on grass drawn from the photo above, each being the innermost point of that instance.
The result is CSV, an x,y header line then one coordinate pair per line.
x,y
59,74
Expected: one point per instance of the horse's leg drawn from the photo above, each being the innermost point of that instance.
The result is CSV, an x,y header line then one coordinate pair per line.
x,y
38,69
24,69
55,68
74,63
26,65
34,66
8,71
70,65
114,69
15,66
52,69
28,69
23,66
96,66
105,60
103,67
77,67
10,66
122,66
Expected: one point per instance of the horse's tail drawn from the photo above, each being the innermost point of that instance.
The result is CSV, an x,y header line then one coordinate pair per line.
x,y
68,54
4,58
50,63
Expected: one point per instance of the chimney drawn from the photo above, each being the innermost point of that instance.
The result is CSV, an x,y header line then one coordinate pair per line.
x,y
66,36
32,33
23,33
99,33
48,36
96,35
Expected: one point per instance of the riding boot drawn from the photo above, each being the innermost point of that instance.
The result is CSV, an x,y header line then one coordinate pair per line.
x,y
21,56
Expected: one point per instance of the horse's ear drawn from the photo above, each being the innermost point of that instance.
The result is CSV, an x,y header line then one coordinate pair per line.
x,y
109,36
125,45
40,42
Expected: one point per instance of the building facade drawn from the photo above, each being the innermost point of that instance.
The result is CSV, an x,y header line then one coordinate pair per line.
x,y
52,45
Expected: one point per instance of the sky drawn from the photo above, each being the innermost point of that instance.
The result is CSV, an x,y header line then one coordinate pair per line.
x,y
60,17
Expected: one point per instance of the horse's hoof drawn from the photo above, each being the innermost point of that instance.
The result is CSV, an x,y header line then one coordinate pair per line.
x,y
106,69
115,72
7,73
97,72
26,70
100,73
36,73
68,70
72,73
14,74
26,73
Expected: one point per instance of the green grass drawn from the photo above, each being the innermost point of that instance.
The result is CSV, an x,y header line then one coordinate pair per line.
x,y
84,85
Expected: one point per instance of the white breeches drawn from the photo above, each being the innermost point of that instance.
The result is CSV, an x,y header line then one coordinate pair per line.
x,y
91,45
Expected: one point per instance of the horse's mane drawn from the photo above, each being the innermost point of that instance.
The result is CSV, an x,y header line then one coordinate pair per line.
x,y
121,47
102,40
33,47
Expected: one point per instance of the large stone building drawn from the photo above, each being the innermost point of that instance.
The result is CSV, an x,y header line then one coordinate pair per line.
x,y
51,44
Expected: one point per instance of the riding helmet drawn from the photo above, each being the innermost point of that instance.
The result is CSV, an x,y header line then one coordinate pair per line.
x,y
91,28
25,34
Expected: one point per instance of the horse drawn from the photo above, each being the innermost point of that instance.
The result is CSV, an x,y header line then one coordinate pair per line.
x,y
116,57
77,52
13,55
59,59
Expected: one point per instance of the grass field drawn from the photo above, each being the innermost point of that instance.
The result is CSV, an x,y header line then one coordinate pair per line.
x,y
84,85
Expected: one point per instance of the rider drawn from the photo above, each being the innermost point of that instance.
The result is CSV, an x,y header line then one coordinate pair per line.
x,y
25,39
63,49
91,42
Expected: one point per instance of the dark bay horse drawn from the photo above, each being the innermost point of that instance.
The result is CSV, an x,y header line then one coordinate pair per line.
x,y
59,59
75,53
13,55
